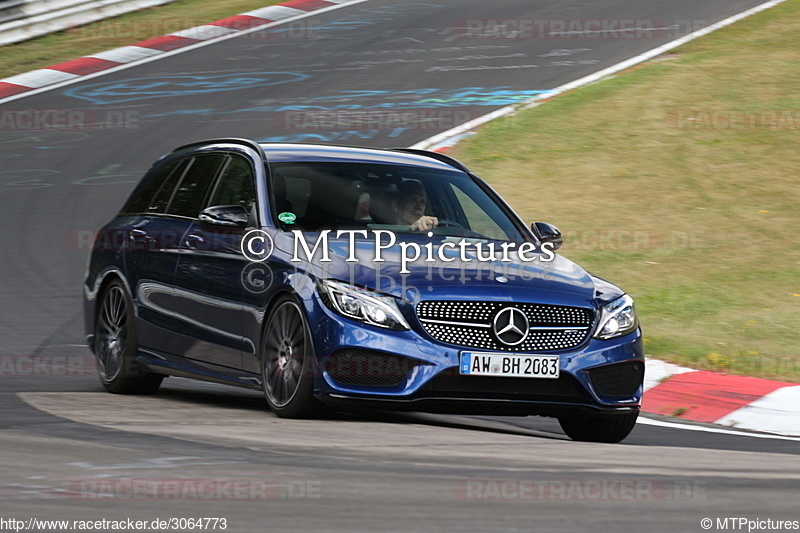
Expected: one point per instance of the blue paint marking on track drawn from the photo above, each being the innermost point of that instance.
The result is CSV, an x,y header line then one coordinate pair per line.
x,y
115,92
355,100
375,15
332,136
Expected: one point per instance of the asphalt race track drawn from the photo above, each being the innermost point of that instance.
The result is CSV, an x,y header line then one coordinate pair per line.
x,y
71,451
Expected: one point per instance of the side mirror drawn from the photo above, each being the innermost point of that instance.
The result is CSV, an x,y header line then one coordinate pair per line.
x,y
225,216
548,233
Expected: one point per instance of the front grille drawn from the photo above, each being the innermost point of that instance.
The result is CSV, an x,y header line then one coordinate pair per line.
x,y
368,368
618,379
450,383
471,324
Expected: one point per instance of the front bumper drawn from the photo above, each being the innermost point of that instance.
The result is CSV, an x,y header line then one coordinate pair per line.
x,y
406,370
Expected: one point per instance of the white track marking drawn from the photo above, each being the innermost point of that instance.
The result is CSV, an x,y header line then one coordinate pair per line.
x,y
535,101
673,425
205,32
275,12
126,54
162,55
656,371
769,413
40,78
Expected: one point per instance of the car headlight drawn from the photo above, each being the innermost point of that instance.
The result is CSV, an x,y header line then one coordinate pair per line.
x,y
363,305
617,318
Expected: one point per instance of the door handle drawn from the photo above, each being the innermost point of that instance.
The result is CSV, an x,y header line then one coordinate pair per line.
x,y
193,240
140,238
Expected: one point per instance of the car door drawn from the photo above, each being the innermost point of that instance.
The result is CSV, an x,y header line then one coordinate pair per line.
x,y
152,241
209,290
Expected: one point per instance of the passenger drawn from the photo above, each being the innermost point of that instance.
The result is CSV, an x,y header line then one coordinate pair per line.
x,y
410,208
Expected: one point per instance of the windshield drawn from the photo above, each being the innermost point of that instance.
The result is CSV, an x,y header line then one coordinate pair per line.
x,y
404,199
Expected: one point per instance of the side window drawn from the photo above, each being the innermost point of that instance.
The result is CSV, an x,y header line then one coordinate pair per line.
x,y
236,185
141,197
298,192
161,199
189,198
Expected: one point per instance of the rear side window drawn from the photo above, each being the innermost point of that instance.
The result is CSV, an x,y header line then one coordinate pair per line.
x,y
189,198
141,198
161,199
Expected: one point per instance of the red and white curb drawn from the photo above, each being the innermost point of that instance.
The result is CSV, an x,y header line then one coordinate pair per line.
x,y
125,56
735,401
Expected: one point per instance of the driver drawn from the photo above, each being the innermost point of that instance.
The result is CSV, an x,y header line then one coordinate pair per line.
x,y
410,209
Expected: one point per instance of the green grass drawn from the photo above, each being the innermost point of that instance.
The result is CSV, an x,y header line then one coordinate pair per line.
x,y
701,225
123,30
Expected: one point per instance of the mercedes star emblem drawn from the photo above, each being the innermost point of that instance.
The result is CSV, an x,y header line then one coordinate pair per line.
x,y
511,326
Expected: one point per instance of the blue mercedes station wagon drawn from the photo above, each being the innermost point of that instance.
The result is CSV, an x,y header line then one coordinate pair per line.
x,y
339,277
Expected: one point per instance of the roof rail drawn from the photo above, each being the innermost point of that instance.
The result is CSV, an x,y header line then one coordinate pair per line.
x,y
435,155
233,140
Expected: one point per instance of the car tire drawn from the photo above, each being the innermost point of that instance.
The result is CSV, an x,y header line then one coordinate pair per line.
x,y
598,427
116,345
287,363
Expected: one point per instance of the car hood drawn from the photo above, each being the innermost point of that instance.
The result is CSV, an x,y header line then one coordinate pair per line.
x,y
558,282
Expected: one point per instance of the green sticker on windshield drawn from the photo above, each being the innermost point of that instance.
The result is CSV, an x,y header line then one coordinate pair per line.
x,y
287,218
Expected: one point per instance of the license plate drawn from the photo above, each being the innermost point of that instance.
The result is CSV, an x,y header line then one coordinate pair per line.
x,y
509,365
